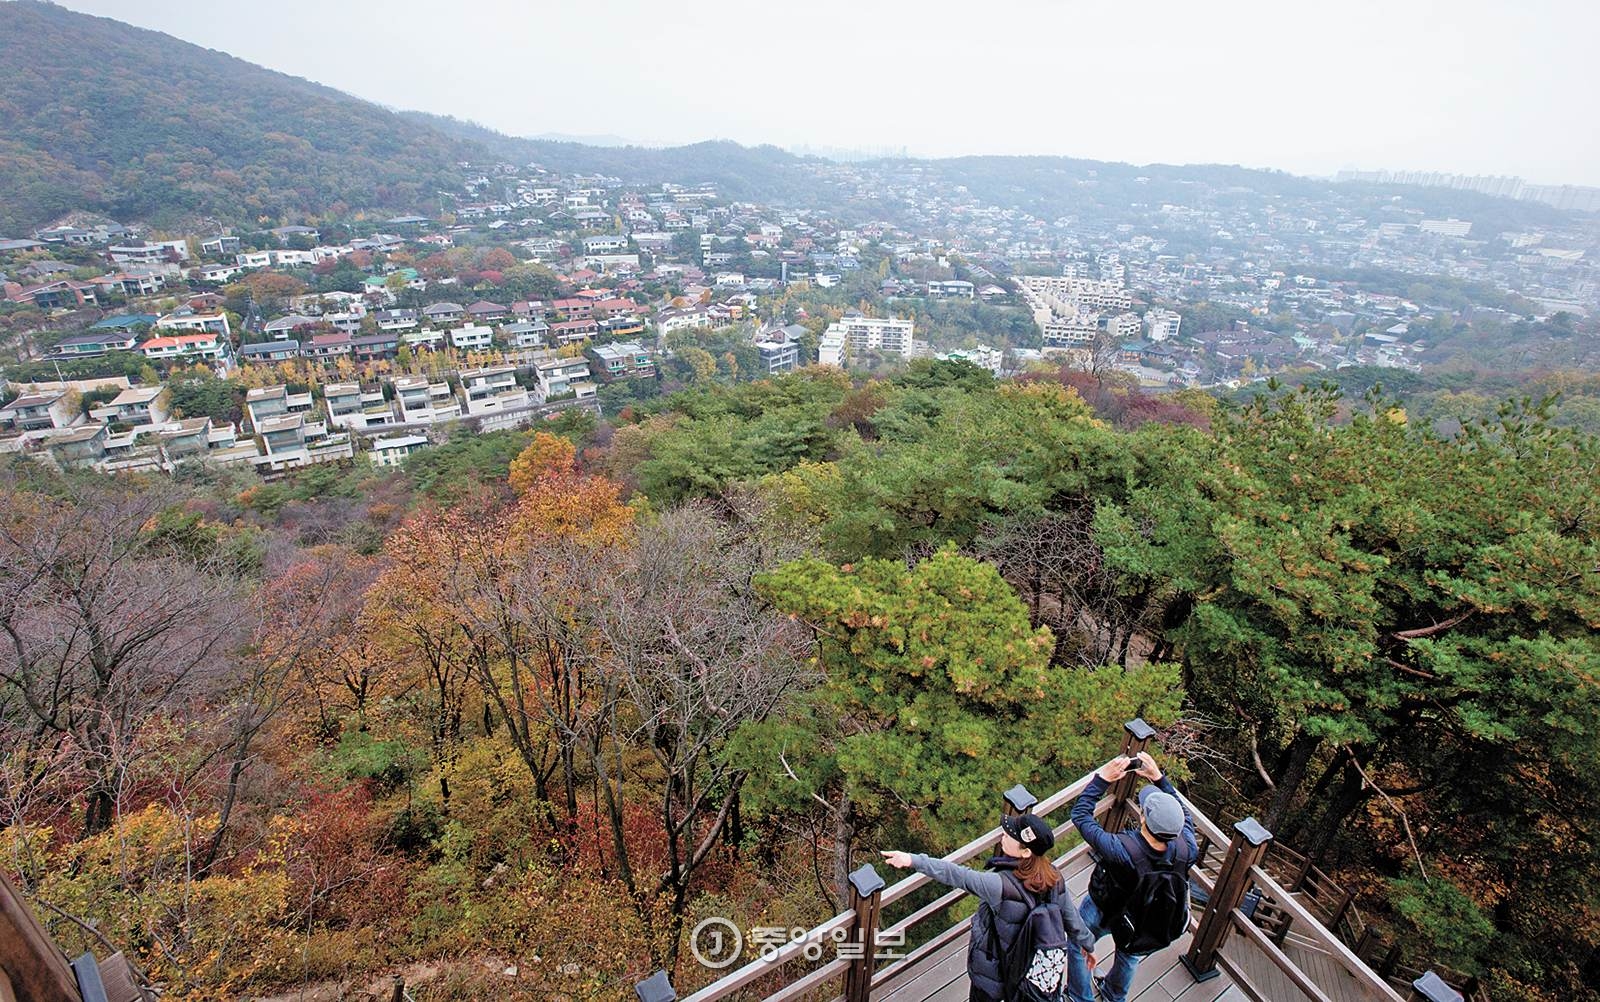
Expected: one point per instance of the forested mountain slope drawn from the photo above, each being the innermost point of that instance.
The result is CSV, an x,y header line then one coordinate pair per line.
x,y
98,115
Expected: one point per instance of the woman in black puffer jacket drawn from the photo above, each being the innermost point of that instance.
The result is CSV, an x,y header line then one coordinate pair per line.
x,y
1025,841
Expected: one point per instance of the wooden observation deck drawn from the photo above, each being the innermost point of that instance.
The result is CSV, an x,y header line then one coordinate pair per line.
x,y
1251,938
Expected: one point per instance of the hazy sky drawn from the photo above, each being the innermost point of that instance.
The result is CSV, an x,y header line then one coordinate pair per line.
x,y
1473,86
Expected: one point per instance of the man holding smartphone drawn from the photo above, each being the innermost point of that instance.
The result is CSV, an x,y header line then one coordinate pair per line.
x,y
1139,891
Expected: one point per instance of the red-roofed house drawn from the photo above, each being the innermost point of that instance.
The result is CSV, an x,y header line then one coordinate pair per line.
x,y
207,345
575,309
611,307
568,331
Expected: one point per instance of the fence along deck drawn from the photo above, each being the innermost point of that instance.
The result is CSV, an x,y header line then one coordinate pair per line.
x,y
1226,956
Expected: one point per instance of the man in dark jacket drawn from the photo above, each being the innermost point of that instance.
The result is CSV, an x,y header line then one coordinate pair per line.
x,y
1166,834
1023,835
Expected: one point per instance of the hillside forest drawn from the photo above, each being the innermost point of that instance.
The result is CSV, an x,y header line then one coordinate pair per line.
x,y
704,658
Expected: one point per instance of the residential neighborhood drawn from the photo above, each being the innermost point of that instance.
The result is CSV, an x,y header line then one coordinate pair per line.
x,y
532,291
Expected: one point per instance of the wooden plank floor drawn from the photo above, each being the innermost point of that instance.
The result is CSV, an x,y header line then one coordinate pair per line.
x,y
1329,975
942,976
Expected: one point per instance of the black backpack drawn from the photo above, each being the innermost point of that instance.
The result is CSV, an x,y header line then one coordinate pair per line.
x,y
1151,909
1035,968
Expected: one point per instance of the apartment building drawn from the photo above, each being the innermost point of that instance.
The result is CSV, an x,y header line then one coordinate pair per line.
x,y
1161,325
886,335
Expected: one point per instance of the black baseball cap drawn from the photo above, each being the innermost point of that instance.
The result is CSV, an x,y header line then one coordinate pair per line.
x,y
1032,831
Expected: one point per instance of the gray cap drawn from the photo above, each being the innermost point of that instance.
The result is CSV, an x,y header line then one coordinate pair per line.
x,y
1163,815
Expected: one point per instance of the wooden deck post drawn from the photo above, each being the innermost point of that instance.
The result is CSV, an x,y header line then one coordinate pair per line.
x,y
1233,880
1391,960
1432,988
866,888
1136,734
1016,800
1339,912
34,966
656,988
88,974
1300,875
1360,949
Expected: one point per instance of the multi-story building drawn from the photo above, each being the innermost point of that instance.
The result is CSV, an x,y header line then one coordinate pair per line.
x,y
1161,325
290,440
213,323
149,253
207,346
830,350
525,333
424,402
328,346
570,331
983,356
93,342
443,313
558,377
780,348
624,360
270,351
396,320
886,335
471,337
1084,293
1070,329
492,389
1446,227
351,407
137,405
267,402
371,347
80,446
37,411
1123,326
220,246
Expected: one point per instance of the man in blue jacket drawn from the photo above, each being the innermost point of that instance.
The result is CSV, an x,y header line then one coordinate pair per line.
x,y
1165,836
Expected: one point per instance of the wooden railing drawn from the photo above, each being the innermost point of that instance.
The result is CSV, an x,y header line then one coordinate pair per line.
x,y
33,967
1334,908
1240,876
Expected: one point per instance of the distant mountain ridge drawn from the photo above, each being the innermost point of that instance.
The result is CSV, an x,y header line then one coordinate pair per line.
x,y
101,116
764,173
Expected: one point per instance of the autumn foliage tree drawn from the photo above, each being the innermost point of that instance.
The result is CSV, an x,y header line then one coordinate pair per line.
x,y
936,692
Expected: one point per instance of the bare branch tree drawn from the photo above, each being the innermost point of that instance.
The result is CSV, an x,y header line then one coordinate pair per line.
x,y
691,653
106,628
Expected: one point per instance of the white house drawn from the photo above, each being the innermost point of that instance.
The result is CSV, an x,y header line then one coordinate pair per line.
x,y
491,389
425,402
472,337
559,376
392,451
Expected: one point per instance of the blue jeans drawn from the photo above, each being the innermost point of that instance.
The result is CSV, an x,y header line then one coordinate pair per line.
x,y
1080,982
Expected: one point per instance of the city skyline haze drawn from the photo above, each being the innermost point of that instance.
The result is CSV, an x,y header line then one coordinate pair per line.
x,y
1470,87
